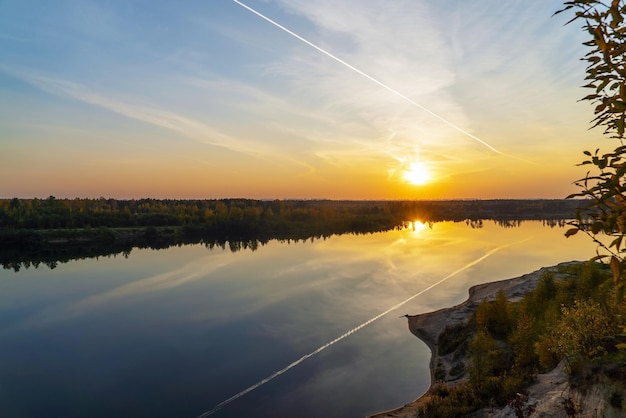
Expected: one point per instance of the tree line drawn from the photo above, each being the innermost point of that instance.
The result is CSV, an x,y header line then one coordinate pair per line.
x,y
255,215
51,231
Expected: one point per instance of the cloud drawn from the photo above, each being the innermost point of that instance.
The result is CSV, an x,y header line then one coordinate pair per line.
x,y
397,44
216,75
468,63
188,127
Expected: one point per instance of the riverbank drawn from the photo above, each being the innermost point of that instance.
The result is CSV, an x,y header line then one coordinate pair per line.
x,y
427,327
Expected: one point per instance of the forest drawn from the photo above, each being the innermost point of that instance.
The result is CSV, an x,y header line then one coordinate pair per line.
x,y
251,216
48,231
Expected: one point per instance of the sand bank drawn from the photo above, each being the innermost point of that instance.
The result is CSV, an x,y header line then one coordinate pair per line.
x,y
428,326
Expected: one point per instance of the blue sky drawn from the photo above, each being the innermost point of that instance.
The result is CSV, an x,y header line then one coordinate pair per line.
x,y
204,99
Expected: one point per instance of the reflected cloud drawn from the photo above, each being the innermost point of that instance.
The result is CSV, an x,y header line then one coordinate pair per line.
x,y
158,283
189,273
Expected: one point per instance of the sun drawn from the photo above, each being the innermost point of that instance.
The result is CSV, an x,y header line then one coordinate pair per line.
x,y
417,174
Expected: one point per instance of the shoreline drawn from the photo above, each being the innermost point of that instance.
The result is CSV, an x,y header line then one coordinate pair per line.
x,y
428,326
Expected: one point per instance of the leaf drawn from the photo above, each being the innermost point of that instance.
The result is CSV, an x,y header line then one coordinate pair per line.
x,y
570,232
599,38
616,268
598,257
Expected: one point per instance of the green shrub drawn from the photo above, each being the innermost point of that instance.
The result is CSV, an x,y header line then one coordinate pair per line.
x,y
495,316
582,330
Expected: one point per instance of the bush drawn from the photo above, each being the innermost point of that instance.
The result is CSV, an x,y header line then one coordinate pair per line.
x,y
582,330
547,356
494,316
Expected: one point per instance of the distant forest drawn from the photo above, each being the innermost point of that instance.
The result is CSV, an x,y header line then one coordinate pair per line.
x,y
51,230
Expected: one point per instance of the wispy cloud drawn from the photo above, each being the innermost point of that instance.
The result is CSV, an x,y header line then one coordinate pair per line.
x,y
187,127
456,61
212,73
409,56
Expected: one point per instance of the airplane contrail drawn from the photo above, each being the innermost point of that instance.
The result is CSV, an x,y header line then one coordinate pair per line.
x,y
380,83
350,332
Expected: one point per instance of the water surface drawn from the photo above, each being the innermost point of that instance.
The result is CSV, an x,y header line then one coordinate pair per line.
x,y
173,333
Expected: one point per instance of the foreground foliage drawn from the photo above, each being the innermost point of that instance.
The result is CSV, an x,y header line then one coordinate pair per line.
x,y
605,184
510,342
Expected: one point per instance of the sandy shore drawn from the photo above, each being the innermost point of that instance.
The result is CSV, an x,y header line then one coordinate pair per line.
x,y
428,326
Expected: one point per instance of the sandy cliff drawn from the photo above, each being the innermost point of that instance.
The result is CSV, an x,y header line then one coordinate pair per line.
x,y
548,397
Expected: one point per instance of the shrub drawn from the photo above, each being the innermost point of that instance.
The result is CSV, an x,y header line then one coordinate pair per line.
x,y
582,329
494,316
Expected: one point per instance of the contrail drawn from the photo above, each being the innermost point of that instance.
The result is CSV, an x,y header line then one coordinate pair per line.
x,y
380,83
352,331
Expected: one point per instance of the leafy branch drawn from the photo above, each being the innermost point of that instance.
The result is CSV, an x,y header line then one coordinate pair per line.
x,y
605,190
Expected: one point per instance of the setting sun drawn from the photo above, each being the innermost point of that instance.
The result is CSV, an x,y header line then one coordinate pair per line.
x,y
417,174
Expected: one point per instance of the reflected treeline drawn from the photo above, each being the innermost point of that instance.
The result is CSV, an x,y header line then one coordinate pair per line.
x,y
59,251
36,232
514,223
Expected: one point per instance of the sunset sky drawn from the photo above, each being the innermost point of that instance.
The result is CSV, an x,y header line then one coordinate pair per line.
x,y
205,99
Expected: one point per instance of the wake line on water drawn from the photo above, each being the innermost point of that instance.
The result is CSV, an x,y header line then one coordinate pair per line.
x,y
380,83
352,331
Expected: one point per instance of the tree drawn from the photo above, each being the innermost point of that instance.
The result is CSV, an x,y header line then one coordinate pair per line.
x,y
488,361
606,186
582,330
522,340
494,316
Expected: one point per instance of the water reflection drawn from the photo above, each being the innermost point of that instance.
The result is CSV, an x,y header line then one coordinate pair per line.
x,y
175,332
417,226
16,258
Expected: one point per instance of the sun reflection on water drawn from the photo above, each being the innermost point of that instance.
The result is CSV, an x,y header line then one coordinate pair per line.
x,y
416,226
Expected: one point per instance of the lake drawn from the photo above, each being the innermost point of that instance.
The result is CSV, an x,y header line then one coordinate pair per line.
x,y
177,332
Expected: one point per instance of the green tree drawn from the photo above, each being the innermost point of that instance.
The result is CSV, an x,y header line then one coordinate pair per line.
x,y
582,330
488,360
494,316
522,341
605,188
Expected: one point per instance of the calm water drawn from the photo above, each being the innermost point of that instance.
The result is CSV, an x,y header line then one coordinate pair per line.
x,y
173,333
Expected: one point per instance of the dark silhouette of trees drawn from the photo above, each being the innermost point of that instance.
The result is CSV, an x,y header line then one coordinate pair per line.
x,y
243,215
35,229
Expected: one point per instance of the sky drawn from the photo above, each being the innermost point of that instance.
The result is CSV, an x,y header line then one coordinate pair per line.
x,y
353,99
